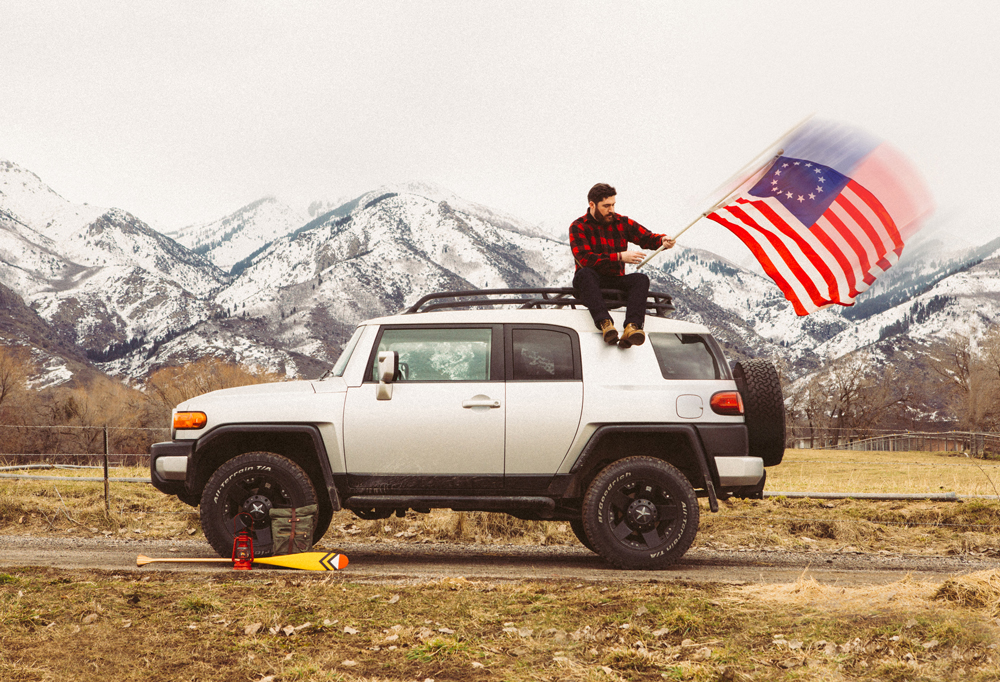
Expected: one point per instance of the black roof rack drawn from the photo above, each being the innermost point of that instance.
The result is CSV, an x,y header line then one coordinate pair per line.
x,y
657,304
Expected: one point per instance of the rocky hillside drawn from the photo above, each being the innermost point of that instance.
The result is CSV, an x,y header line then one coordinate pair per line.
x,y
268,287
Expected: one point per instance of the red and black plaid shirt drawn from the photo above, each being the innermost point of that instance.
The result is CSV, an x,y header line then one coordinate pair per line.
x,y
597,246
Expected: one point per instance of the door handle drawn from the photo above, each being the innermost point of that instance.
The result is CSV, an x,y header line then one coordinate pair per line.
x,y
481,401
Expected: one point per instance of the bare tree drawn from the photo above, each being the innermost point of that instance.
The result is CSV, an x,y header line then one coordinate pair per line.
x,y
16,367
851,395
972,374
953,361
173,385
16,401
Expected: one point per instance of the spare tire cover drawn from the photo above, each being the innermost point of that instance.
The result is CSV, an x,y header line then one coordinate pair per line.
x,y
764,409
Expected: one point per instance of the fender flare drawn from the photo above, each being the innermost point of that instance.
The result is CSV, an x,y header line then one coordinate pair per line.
x,y
227,429
688,430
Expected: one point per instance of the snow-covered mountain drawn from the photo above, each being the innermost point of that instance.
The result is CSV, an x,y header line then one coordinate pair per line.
x,y
275,291
393,246
227,241
132,299
99,277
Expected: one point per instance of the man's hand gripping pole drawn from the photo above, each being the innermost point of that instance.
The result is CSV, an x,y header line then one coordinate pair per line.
x,y
646,259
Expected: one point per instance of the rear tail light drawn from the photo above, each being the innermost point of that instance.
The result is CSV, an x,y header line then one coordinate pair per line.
x,y
727,403
190,420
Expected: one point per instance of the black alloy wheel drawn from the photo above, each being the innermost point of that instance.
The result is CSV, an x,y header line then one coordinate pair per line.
x,y
641,513
255,483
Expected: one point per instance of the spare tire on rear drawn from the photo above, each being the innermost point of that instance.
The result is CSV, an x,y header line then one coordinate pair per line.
x,y
764,409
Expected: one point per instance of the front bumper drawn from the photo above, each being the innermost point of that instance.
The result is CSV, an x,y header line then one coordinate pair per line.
x,y
168,465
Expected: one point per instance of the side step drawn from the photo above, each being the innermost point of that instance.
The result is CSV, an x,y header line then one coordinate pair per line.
x,y
454,502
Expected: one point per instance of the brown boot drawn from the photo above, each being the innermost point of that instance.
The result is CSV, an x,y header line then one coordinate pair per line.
x,y
632,336
609,331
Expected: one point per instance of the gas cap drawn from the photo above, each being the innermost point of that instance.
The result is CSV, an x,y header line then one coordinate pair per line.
x,y
690,406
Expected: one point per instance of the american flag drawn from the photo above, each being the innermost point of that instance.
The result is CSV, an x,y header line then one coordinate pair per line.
x,y
829,216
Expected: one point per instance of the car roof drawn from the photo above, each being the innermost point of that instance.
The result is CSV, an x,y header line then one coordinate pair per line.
x,y
577,319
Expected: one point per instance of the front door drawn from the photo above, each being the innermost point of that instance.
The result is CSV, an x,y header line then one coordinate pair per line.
x,y
443,427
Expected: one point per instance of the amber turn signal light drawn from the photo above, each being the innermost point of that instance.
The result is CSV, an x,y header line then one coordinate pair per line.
x,y
190,420
727,403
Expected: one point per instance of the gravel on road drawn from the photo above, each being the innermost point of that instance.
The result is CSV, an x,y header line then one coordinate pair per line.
x,y
404,562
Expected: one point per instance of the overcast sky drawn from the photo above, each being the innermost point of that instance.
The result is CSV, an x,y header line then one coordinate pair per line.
x,y
183,112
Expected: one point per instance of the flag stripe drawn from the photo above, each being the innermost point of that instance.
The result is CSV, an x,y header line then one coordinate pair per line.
x,y
876,206
863,226
852,250
811,245
760,253
862,248
848,247
779,255
846,269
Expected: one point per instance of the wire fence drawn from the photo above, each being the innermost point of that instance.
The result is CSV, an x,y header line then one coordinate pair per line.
x,y
976,444
113,446
51,441
67,447
104,449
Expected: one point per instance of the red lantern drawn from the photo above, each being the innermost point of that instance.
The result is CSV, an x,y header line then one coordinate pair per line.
x,y
243,543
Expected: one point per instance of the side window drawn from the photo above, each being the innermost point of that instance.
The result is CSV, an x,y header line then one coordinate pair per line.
x,y
542,354
345,355
685,356
438,354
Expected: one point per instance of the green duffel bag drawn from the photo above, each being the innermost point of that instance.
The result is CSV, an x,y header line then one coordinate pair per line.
x,y
292,529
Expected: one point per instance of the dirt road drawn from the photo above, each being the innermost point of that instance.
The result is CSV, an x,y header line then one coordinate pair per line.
x,y
392,562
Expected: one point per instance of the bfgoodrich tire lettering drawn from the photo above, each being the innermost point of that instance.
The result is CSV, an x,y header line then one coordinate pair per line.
x,y
253,482
641,513
764,408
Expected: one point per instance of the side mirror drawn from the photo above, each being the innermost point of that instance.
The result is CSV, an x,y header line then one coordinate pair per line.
x,y
388,365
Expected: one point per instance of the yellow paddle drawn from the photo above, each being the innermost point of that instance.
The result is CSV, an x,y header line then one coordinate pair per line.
x,y
303,561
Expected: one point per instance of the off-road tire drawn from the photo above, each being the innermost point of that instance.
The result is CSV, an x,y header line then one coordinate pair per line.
x,y
581,534
255,479
641,513
764,409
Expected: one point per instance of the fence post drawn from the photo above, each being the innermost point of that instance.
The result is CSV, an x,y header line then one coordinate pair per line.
x,y
107,491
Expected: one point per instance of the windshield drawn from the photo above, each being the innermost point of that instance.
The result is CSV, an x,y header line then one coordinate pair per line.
x,y
345,355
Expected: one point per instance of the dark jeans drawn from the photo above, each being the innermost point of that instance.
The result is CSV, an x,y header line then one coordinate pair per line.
x,y
588,284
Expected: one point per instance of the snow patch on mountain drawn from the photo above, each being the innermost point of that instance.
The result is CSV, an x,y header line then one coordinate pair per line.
x,y
231,239
136,300
23,194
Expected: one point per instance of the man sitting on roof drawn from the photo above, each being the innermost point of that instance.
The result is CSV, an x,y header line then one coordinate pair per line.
x,y
599,241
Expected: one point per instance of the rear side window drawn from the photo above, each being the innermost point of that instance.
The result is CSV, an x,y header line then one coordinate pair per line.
x,y
542,355
438,354
685,357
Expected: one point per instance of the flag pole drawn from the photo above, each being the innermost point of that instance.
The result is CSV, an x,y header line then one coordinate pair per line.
x,y
740,173
767,151
760,171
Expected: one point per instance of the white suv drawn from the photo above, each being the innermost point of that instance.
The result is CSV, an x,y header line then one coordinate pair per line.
x,y
491,400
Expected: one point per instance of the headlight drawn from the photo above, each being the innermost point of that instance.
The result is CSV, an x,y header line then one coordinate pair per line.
x,y
190,420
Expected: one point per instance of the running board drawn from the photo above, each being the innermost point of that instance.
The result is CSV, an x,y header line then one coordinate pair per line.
x,y
457,503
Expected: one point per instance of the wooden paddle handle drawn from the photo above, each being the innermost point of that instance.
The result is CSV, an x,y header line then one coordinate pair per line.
x,y
142,560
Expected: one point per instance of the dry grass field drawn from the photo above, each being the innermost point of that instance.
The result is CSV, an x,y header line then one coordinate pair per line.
x,y
884,472
277,627
916,526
